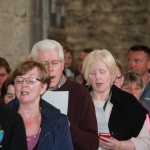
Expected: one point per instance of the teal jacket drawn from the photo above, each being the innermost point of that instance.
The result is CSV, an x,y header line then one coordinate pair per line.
x,y
145,96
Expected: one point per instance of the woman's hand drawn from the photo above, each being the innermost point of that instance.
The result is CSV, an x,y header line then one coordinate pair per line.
x,y
109,143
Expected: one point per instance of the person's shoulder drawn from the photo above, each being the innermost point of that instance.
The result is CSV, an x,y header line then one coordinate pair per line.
x,y
75,88
45,106
6,110
143,103
121,95
127,95
8,114
64,116
147,88
13,104
148,85
74,84
127,99
49,113
64,119
116,90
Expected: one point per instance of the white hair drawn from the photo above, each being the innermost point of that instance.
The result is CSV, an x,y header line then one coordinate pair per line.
x,y
92,57
47,45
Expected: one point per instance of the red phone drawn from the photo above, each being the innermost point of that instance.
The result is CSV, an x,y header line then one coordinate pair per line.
x,y
107,135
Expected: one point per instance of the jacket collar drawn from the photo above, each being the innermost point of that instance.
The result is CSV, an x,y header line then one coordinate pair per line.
x,y
147,87
116,94
50,115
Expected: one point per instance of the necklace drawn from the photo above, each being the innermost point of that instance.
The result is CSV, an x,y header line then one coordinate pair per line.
x,y
34,136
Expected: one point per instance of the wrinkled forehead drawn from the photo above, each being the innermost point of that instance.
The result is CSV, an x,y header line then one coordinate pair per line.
x,y
138,54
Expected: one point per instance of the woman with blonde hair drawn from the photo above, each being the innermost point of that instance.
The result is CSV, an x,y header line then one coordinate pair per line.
x,y
120,111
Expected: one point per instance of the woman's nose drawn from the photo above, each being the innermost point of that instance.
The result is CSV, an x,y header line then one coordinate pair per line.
x,y
24,82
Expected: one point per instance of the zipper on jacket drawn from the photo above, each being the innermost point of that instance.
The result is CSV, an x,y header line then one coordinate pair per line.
x,y
48,133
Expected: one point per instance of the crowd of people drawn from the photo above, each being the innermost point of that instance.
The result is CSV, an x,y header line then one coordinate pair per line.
x,y
102,99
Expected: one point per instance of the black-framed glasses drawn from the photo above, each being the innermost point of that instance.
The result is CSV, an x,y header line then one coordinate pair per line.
x,y
53,62
29,80
117,79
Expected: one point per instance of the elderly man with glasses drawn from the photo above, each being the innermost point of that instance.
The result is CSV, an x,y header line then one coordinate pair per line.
x,y
81,112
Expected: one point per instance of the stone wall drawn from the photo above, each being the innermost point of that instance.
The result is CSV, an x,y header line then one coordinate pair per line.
x,y
20,28
114,25
13,30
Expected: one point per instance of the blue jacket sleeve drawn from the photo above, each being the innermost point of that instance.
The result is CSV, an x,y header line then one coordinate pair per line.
x,y
66,141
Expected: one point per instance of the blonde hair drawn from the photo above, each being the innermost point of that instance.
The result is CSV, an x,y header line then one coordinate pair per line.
x,y
92,57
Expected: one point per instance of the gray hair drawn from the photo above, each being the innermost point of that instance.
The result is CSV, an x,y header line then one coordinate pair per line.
x,y
47,45
133,76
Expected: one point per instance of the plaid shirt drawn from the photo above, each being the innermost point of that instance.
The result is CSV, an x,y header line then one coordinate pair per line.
x,y
61,82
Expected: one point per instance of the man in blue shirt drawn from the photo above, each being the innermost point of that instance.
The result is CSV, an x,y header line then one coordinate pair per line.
x,y
139,60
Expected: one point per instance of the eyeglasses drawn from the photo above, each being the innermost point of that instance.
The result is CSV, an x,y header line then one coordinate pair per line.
x,y
29,80
117,79
53,62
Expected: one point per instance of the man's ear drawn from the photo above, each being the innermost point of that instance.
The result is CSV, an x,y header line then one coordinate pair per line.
x,y
63,63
